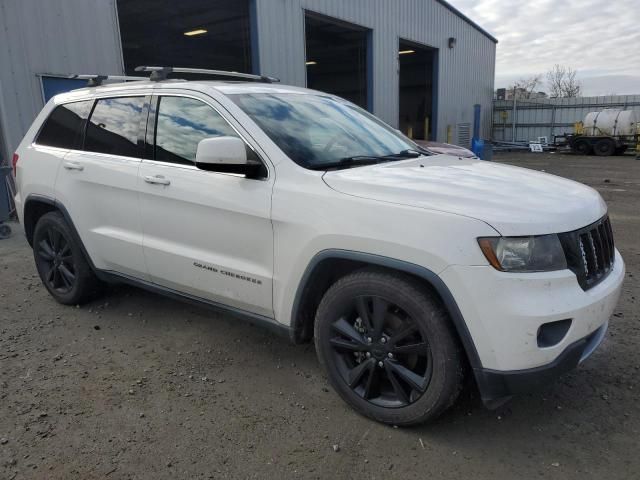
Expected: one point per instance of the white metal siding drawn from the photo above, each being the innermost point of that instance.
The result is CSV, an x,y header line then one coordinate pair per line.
x,y
61,36
466,72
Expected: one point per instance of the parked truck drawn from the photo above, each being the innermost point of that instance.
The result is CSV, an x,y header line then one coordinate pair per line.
x,y
607,132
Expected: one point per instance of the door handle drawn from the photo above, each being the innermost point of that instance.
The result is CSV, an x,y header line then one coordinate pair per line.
x,y
73,166
157,180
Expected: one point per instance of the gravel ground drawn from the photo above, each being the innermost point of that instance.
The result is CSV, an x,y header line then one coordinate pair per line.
x,y
138,386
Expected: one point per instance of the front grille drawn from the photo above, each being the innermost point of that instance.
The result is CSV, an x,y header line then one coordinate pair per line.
x,y
590,252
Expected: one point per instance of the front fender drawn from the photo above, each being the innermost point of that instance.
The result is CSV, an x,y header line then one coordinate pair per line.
x,y
378,260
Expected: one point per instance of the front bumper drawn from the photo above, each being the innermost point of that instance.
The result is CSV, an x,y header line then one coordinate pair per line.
x,y
496,387
504,312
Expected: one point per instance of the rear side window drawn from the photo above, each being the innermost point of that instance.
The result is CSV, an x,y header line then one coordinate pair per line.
x,y
65,125
114,125
182,123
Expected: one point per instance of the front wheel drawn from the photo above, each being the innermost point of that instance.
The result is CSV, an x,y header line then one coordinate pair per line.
x,y
388,347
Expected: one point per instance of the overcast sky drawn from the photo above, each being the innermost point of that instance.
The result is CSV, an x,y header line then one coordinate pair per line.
x,y
598,38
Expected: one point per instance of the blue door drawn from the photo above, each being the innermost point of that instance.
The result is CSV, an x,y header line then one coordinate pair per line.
x,y
52,86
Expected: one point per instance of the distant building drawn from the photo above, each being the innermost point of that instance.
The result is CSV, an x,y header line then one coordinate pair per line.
x,y
520,94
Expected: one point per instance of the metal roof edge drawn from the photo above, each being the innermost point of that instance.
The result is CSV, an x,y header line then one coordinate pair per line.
x,y
457,12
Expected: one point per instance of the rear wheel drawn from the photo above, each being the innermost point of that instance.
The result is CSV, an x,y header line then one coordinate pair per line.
x,y
582,147
62,267
388,347
604,147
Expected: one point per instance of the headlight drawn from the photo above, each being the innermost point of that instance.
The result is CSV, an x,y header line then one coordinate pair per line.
x,y
541,253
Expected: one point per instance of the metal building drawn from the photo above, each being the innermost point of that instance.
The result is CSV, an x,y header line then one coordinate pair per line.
x,y
420,65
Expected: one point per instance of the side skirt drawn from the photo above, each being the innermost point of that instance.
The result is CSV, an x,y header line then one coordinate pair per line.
x,y
251,318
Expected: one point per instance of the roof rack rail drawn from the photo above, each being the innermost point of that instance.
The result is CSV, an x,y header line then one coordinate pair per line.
x,y
161,73
97,80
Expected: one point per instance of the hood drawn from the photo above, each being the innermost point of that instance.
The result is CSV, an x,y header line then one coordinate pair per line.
x,y
515,201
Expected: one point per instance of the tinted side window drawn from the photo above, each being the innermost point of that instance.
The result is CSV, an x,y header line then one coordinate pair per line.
x,y
182,123
114,125
64,126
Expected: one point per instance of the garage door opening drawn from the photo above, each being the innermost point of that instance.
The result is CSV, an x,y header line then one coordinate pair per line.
x,y
417,90
212,34
337,58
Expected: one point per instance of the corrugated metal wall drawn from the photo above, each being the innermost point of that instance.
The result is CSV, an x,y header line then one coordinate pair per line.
x,y
466,72
81,36
55,36
553,116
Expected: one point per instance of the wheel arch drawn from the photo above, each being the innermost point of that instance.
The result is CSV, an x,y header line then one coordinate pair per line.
x,y
35,206
329,265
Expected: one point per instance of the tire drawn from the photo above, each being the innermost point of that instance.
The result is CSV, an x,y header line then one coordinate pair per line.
x,y
60,262
620,150
410,378
5,231
604,147
583,147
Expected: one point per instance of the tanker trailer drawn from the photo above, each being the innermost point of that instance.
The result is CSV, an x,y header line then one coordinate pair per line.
x,y
608,132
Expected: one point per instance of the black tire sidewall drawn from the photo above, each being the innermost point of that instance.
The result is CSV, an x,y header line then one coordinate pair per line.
x,y
84,282
604,148
583,147
433,325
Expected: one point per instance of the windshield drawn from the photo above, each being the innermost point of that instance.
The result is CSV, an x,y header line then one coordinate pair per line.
x,y
318,130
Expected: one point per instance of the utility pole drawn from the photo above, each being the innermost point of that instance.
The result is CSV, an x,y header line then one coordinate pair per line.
x,y
513,117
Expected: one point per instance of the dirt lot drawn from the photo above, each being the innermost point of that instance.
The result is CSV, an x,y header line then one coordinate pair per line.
x,y
139,386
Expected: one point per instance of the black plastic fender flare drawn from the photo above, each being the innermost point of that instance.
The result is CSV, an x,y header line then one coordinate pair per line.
x,y
428,275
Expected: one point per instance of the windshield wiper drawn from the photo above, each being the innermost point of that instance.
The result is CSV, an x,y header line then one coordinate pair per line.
x,y
425,151
408,153
348,162
361,160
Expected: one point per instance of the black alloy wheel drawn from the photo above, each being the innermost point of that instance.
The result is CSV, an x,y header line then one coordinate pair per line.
x,y
381,353
388,347
60,261
56,261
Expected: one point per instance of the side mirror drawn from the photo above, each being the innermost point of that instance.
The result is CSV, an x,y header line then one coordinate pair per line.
x,y
227,155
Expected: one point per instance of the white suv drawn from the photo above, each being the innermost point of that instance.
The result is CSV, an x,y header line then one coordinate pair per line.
x,y
299,210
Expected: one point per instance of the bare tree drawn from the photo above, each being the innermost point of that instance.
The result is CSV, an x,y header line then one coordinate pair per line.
x,y
525,87
562,82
